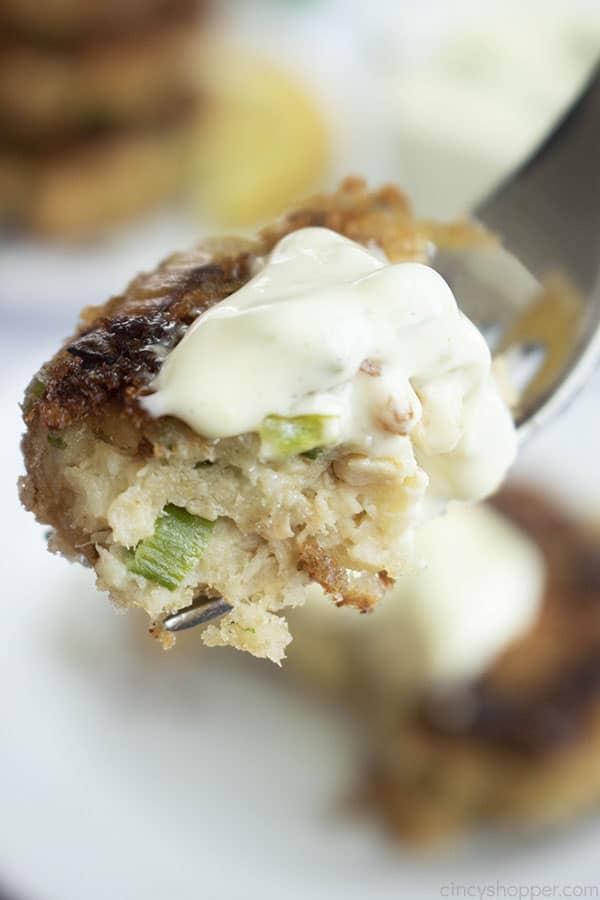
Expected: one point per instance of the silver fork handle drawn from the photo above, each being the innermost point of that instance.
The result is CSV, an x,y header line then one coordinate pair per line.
x,y
574,379
560,185
549,216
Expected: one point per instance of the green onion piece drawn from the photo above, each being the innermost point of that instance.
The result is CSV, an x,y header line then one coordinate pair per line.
x,y
56,441
34,391
314,453
179,540
281,437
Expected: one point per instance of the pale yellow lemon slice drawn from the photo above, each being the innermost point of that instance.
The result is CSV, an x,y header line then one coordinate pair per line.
x,y
262,144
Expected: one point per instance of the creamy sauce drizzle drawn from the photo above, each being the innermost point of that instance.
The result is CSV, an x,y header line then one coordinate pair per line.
x,y
327,327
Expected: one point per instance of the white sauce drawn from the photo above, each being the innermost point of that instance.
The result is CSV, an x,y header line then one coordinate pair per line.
x,y
480,589
292,340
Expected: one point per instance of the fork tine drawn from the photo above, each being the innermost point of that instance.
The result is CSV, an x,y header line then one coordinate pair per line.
x,y
200,611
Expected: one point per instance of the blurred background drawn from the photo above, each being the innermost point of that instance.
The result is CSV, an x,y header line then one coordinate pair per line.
x,y
129,129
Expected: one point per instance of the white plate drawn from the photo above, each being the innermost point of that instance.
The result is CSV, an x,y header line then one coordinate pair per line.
x,y
131,773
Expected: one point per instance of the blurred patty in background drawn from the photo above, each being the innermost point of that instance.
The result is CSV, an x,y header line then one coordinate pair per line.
x,y
68,20
515,738
520,744
98,107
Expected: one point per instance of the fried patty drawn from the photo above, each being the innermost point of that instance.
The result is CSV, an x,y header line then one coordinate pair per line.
x,y
110,359
66,22
522,744
76,189
48,91
100,471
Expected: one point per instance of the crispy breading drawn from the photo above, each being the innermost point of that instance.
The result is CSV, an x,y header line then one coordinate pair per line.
x,y
334,578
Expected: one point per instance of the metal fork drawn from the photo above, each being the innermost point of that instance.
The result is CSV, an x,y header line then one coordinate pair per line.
x,y
548,214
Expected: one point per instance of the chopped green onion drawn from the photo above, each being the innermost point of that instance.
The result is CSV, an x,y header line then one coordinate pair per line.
x,y
179,540
281,437
56,441
314,453
34,391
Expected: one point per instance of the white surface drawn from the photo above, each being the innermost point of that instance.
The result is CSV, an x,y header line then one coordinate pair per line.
x,y
126,772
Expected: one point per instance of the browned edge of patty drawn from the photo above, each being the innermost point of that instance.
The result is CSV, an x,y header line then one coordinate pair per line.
x,y
53,98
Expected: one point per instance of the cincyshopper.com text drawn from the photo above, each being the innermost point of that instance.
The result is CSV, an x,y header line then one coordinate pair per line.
x,y
499,889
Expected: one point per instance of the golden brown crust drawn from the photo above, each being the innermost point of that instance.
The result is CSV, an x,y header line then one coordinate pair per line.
x,y
110,357
335,580
112,360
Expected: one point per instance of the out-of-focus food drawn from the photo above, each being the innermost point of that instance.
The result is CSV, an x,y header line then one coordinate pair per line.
x,y
63,21
84,187
99,107
516,742
470,111
266,145
283,443
49,91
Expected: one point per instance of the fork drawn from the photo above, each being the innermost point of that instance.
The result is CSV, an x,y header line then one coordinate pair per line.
x,y
549,215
